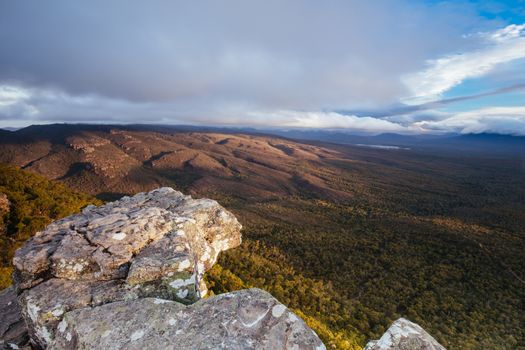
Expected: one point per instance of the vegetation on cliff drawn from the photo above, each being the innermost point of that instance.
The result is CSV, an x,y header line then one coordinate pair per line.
x,y
33,202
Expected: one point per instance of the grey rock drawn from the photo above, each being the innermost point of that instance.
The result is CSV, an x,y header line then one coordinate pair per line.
x,y
156,244
246,319
13,330
44,305
405,335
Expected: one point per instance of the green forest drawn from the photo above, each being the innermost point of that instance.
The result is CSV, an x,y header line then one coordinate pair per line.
x,y
352,272
32,203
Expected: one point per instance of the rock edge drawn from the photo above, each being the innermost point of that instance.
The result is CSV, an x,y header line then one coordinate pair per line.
x,y
405,335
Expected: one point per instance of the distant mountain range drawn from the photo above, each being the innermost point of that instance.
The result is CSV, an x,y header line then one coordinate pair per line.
x,y
491,143
476,143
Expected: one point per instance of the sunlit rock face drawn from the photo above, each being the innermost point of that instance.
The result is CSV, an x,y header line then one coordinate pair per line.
x,y
246,319
405,335
156,244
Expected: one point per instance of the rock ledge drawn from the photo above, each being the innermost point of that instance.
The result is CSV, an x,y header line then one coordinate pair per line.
x,y
246,319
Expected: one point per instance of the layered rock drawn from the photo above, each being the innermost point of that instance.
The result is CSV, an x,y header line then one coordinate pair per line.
x,y
247,319
156,244
405,335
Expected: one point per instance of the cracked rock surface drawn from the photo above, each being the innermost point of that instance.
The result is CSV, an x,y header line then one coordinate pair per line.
x,y
246,319
155,244
405,335
13,331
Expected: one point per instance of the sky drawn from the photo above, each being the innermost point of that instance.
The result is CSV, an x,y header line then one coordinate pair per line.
x,y
403,66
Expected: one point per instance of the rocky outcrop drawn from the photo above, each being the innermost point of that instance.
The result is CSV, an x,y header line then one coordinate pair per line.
x,y
405,335
247,319
128,275
156,244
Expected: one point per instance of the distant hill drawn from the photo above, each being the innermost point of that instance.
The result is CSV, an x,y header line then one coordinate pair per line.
x,y
110,160
483,143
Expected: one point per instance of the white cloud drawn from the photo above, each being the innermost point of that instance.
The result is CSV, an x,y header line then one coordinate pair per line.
x,y
501,46
10,95
266,64
304,119
510,32
19,104
13,102
272,55
503,120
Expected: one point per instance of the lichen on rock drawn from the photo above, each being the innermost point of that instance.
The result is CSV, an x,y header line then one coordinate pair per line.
x,y
246,319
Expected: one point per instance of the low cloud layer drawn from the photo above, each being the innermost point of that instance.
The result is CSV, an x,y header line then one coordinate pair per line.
x,y
502,120
243,63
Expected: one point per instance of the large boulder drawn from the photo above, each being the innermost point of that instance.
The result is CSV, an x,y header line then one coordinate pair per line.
x,y
405,335
246,319
156,244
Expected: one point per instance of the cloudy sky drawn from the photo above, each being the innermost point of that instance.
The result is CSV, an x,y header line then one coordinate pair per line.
x,y
375,66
